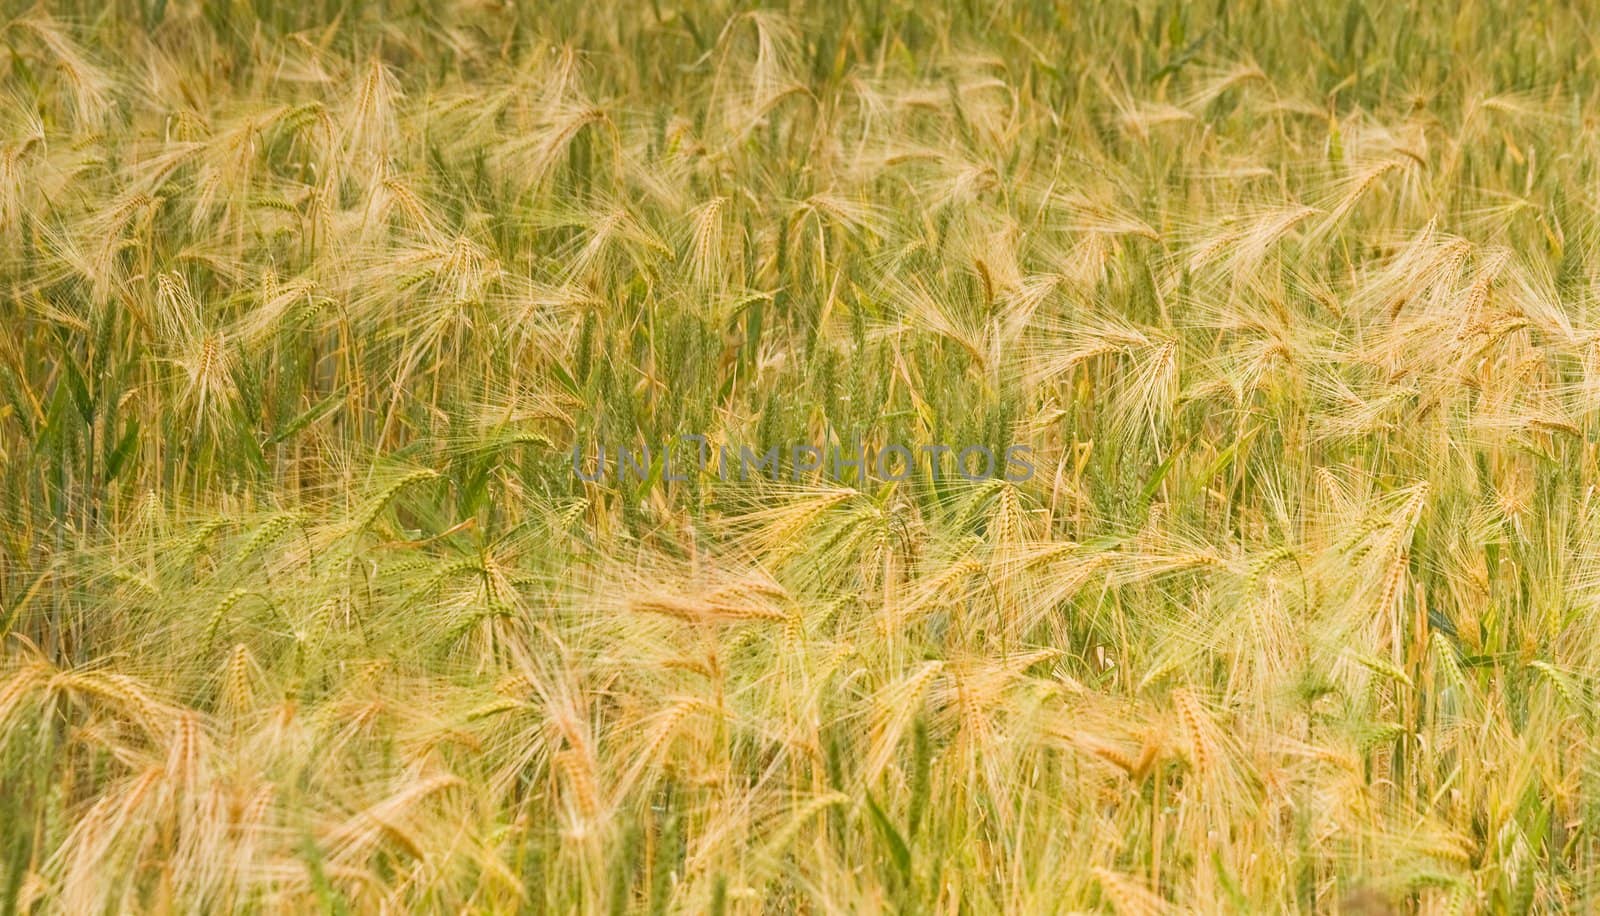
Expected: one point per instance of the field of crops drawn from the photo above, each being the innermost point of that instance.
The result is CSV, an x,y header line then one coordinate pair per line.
x,y
1278,323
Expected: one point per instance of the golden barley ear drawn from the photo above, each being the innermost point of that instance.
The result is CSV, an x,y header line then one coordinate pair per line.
x,y
1128,896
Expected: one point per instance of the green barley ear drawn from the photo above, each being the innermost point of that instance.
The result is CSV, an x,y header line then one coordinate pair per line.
x,y
921,777
268,532
1380,734
238,681
369,512
220,612
196,542
1571,690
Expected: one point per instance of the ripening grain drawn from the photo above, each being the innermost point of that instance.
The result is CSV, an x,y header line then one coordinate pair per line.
x,y
1292,309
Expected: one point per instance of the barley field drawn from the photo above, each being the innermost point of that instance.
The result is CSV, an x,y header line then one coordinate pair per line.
x,y
353,356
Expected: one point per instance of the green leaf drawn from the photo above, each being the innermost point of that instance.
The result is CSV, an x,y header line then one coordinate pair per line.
x,y
316,412
566,380
899,852
125,447
79,389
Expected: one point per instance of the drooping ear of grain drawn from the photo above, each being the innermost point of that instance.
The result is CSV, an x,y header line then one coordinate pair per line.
x,y
308,307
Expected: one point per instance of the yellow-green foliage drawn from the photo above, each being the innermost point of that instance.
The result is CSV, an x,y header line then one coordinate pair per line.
x,y
304,306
